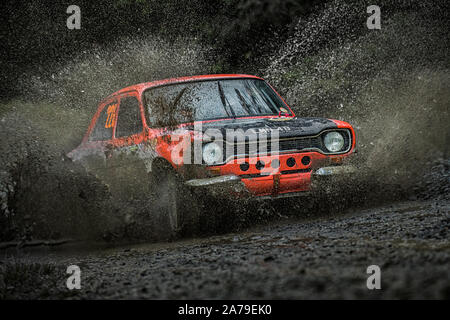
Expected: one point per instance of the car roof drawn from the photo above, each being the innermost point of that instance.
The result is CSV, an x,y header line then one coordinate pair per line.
x,y
140,87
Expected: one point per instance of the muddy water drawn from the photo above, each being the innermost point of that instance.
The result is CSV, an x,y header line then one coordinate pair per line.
x,y
42,194
391,84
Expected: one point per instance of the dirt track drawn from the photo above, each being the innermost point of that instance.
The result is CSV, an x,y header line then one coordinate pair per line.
x,y
302,258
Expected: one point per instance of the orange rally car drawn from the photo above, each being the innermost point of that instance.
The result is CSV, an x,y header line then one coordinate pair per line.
x,y
230,136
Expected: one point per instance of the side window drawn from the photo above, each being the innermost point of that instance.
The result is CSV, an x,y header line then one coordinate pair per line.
x,y
129,121
104,126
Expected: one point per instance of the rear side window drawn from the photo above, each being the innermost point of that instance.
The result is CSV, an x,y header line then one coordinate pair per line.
x,y
104,126
129,121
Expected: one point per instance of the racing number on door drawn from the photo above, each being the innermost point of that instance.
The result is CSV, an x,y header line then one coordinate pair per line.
x,y
111,115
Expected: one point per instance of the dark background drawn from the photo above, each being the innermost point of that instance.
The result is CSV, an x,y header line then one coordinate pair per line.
x,y
35,39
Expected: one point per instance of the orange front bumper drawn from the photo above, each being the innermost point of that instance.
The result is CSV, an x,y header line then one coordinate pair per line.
x,y
277,174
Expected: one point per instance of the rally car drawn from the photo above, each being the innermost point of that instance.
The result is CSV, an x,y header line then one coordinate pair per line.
x,y
230,136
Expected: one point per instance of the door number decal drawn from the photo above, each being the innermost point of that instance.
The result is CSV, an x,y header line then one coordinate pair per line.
x,y
111,115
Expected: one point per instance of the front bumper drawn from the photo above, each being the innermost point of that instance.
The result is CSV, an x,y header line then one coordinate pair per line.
x,y
334,170
230,186
234,186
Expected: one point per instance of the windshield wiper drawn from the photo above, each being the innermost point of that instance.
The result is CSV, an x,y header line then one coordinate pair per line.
x,y
243,102
178,97
225,101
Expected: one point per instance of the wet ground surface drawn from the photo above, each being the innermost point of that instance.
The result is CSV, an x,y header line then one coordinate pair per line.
x,y
299,258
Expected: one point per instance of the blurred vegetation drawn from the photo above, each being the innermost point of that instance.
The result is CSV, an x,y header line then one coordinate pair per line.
x,y
35,39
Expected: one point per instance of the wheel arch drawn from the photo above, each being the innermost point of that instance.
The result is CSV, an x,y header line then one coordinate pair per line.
x,y
159,164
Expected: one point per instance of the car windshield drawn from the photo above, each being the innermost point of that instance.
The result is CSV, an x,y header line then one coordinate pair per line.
x,y
211,99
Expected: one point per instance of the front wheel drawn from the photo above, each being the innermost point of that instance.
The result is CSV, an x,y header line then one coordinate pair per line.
x,y
175,208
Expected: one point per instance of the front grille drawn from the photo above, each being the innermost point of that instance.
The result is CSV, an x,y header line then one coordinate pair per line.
x,y
295,144
301,144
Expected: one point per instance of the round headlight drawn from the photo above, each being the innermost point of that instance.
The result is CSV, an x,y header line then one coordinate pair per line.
x,y
212,153
334,141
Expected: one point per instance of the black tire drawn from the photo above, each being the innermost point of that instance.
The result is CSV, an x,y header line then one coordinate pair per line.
x,y
176,210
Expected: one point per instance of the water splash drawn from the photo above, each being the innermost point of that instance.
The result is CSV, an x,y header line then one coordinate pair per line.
x,y
95,74
392,85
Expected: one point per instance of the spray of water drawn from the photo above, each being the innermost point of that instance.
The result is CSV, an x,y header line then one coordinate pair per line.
x,y
96,74
392,85
42,193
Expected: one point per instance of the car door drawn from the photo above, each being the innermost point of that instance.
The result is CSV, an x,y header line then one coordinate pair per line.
x,y
127,163
97,143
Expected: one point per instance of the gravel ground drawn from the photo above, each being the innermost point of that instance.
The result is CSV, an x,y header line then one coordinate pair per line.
x,y
301,258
